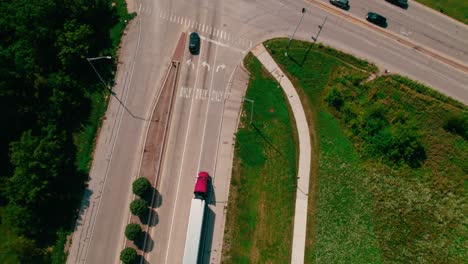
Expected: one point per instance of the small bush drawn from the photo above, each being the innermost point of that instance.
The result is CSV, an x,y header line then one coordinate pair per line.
x,y
399,143
139,207
335,98
132,231
128,255
374,120
141,186
457,124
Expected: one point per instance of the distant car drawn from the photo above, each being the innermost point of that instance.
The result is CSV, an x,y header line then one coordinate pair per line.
x,y
343,4
400,3
377,19
194,43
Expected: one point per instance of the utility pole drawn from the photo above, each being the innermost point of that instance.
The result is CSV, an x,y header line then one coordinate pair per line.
x,y
251,110
292,36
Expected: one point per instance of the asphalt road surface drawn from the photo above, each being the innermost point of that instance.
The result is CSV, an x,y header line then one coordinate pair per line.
x,y
202,124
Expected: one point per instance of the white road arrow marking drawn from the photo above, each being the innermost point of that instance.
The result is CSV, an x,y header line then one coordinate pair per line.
x,y
189,62
206,64
222,66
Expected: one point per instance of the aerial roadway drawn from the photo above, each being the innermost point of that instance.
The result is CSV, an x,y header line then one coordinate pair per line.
x,y
418,42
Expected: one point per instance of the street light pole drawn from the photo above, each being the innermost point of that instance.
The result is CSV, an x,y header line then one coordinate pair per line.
x,y
292,36
251,110
100,78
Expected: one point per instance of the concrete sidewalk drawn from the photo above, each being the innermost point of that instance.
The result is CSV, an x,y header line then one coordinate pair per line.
x,y
300,216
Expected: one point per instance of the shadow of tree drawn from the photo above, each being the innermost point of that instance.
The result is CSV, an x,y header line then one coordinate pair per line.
x,y
155,196
151,218
140,242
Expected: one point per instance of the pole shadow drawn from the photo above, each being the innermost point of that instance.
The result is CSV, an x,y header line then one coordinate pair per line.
x,y
266,139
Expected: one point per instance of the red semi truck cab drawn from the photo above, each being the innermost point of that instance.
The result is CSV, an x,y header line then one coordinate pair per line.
x,y
201,186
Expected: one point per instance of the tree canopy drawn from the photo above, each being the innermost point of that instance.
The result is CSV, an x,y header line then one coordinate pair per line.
x,y
45,83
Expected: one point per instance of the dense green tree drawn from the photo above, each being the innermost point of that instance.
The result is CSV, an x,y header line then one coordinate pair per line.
x,y
19,219
73,43
44,84
141,186
128,255
139,207
132,231
25,250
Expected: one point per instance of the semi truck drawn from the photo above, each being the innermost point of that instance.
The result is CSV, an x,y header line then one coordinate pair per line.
x,y
195,224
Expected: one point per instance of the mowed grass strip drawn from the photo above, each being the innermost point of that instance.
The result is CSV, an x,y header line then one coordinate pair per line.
x,y
259,223
457,9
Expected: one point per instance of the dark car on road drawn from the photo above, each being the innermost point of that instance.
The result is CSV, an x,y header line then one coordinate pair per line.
x,y
194,43
400,3
377,19
343,4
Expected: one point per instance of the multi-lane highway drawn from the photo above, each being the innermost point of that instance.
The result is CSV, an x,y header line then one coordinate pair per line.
x,y
209,96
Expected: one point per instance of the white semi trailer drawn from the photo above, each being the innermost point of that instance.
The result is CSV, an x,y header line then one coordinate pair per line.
x,y
195,224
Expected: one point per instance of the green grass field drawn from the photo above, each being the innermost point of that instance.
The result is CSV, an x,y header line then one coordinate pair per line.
x,y
390,177
457,9
262,195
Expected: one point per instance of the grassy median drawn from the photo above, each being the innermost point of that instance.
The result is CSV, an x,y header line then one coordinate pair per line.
x,y
262,195
391,162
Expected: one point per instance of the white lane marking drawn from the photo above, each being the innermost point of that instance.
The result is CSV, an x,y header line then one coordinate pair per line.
x,y
202,94
182,162
114,143
204,64
221,66
206,114
222,44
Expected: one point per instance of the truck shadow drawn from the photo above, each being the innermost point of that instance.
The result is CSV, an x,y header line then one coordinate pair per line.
x,y
207,233
211,194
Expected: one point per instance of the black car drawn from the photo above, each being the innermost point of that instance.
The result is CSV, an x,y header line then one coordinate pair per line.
x,y
400,3
377,19
343,4
194,43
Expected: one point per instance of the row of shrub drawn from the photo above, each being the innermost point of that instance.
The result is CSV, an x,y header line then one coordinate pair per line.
x,y
139,207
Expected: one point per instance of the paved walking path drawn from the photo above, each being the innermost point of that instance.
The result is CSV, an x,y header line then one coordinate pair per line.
x,y
300,216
